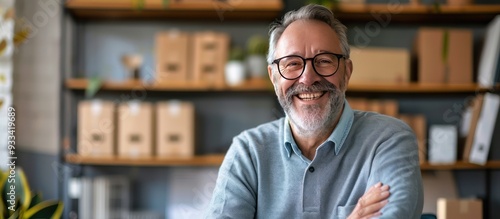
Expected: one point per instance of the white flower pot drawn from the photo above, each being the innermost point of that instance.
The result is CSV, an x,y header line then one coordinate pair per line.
x,y
235,72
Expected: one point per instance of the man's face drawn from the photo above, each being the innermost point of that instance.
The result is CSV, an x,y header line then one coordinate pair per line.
x,y
311,101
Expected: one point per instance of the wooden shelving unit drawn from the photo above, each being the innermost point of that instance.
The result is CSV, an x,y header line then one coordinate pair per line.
x,y
399,12
154,9
460,165
265,85
249,85
216,160
418,88
199,160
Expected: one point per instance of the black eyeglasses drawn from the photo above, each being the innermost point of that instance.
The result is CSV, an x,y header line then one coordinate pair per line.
x,y
292,67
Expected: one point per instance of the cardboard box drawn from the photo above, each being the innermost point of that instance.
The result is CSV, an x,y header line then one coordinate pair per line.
x,y
209,57
459,208
375,106
432,67
175,128
391,108
380,65
418,124
96,128
360,104
420,128
135,129
172,56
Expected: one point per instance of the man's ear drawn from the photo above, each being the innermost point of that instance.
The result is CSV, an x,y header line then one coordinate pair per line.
x,y
348,69
270,73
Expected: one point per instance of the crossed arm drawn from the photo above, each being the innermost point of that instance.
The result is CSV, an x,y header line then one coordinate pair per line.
x,y
370,204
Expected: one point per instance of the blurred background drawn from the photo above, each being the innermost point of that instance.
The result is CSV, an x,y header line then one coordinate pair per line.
x,y
125,108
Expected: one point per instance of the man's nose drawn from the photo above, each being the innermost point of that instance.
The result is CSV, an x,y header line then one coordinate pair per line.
x,y
309,76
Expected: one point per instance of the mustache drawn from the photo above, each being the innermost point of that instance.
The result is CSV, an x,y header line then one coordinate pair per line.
x,y
319,86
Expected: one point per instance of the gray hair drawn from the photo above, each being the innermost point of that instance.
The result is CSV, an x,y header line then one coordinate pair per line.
x,y
308,12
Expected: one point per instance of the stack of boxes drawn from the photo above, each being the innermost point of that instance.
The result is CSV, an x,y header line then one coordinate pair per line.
x,y
440,56
208,51
444,56
135,129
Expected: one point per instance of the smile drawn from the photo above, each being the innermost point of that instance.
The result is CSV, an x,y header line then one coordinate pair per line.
x,y
310,96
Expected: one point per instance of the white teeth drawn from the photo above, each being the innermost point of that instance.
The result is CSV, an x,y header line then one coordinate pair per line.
x,y
310,96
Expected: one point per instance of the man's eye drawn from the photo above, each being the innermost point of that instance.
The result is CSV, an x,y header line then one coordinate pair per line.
x,y
324,61
293,64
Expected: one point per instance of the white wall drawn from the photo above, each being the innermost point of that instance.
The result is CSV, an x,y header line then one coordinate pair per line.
x,y
37,76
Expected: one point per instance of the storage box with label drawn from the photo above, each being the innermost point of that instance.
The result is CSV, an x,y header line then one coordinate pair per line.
x,y
380,65
209,57
172,49
459,208
96,128
175,128
135,129
444,55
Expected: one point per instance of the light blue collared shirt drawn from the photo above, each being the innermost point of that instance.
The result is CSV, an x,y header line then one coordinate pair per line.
x,y
265,175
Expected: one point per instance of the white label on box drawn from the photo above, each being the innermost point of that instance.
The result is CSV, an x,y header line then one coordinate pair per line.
x,y
442,144
174,107
135,107
96,107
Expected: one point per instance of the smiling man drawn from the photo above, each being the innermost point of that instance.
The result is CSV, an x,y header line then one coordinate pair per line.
x,y
323,160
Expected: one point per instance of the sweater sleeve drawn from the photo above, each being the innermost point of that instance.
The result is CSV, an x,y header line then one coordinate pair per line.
x,y
235,192
396,164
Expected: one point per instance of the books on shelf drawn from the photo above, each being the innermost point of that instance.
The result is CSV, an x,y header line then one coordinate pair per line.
x,y
489,64
484,131
104,197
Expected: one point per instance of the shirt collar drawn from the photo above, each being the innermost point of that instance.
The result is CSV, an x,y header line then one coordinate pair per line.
x,y
337,137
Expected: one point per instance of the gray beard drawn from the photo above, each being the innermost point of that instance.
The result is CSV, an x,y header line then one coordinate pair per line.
x,y
315,120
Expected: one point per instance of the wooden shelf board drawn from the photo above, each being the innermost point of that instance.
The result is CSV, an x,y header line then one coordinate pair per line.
x,y
415,88
199,160
241,10
460,165
416,13
265,85
249,85
216,160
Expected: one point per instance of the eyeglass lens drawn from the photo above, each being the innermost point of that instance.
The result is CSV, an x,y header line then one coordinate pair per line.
x,y
293,66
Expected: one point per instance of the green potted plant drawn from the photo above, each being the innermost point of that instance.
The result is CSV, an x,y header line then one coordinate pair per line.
x,y
235,67
257,47
17,201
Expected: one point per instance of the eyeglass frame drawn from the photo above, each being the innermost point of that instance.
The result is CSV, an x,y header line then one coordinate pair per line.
x,y
339,56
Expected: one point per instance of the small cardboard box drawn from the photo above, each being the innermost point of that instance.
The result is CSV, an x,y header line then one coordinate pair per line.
x,y
418,124
209,57
459,208
135,129
444,59
172,56
175,128
96,128
380,65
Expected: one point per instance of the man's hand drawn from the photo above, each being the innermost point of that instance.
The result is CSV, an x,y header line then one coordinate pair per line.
x,y
371,202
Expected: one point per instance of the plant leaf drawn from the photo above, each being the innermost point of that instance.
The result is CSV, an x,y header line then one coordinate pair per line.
x,y
21,36
26,193
15,215
3,46
36,199
446,46
92,87
46,209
